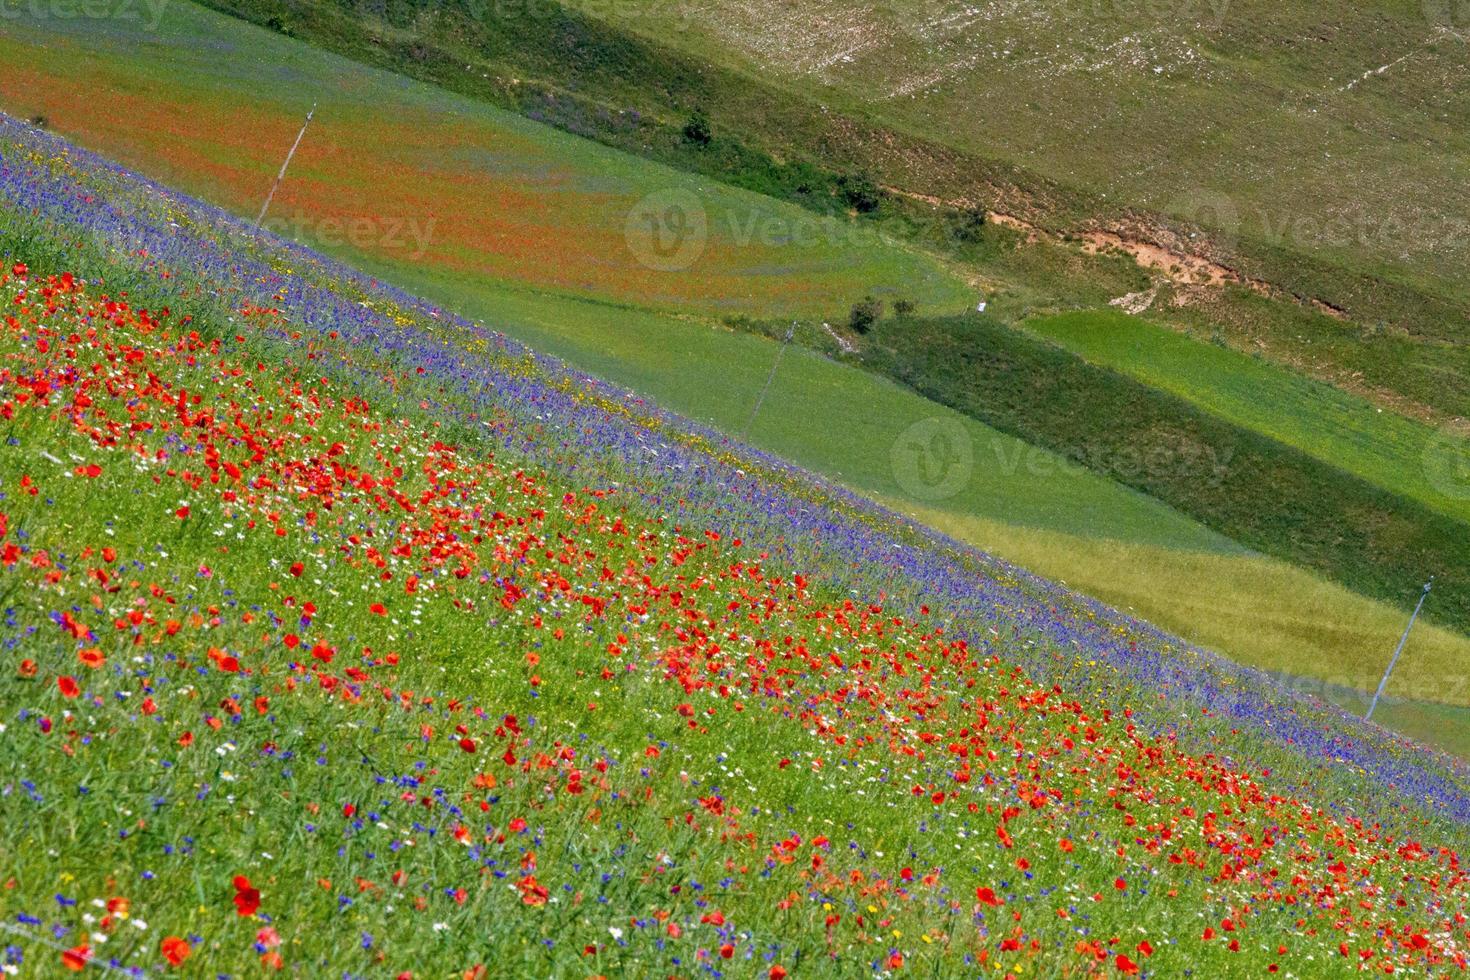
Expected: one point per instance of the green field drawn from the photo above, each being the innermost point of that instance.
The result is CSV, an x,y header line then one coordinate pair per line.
x,y
595,304
1389,450
1186,109
831,418
1244,483
1075,136
397,168
1288,634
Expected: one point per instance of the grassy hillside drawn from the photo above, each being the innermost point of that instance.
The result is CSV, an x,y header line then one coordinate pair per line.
x,y
1386,330
345,636
1286,124
1215,600
871,436
1400,455
829,417
402,169
1249,486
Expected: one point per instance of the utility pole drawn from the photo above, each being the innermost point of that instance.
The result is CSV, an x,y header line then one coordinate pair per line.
x,y
790,332
1402,640
281,176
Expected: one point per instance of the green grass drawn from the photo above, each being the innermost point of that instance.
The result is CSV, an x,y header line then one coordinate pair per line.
x,y
1386,449
209,104
1236,115
1393,367
1245,484
1340,226
1266,612
833,418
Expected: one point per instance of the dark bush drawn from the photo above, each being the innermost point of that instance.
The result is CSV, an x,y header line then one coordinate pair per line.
x,y
860,192
968,225
697,129
865,314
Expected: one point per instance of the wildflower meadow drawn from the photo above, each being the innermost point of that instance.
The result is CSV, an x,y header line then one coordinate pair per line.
x,y
346,637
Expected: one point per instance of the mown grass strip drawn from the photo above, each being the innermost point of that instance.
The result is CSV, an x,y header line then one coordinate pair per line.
x,y
1261,492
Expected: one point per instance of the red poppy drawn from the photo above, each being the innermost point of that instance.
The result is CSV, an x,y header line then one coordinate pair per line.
x,y
533,893
77,957
247,897
988,896
68,686
175,949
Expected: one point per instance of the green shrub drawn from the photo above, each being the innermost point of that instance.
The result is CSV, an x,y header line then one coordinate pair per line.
x,y
697,129
860,192
865,314
968,226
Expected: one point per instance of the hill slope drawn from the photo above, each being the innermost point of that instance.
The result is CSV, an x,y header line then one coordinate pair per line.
x,y
1288,126
1011,494
1356,264
343,635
